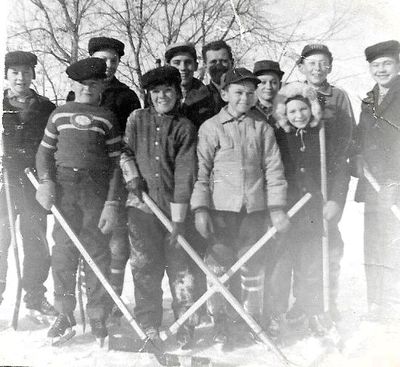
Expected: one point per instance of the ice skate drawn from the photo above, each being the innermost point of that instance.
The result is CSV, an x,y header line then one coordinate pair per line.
x,y
221,333
41,312
274,328
316,324
99,330
296,316
62,329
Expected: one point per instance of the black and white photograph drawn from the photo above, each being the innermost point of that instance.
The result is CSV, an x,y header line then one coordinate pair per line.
x,y
204,183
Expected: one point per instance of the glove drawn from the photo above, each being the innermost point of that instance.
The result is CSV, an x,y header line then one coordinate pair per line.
x,y
279,220
46,193
203,222
136,186
357,166
178,228
109,217
331,210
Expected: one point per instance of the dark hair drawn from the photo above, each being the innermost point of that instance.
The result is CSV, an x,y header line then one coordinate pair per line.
x,y
147,98
215,46
299,98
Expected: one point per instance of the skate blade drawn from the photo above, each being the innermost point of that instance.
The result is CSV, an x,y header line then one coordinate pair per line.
x,y
38,318
68,335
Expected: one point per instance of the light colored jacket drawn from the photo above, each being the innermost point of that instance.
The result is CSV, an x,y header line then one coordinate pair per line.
x,y
240,165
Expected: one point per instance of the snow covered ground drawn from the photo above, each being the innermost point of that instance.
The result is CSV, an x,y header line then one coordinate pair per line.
x,y
365,344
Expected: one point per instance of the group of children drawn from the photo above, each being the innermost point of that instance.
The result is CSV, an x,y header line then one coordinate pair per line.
x,y
223,186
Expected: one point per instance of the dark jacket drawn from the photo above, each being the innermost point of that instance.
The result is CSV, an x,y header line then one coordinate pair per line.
x,y
378,138
163,148
197,105
23,130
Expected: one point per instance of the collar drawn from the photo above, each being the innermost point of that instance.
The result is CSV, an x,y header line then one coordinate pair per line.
x,y
22,99
325,89
225,116
266,110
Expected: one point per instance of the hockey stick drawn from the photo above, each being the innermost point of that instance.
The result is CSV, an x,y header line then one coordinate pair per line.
x,y
221,288
79,285
374,183
325,237
156,350
11,219
234,268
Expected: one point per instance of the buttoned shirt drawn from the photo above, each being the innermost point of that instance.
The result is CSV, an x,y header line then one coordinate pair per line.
x,y
240,166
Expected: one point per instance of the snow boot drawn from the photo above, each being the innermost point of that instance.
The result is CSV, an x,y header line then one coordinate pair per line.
x,y
99,330
61,331
185,336
43,307
274,328
221,332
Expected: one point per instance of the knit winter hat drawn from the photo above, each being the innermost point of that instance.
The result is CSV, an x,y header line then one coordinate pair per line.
x,y
290,92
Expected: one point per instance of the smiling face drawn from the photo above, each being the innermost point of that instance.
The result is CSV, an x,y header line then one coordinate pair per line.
x,y
384,69
163,97
186,65
269,87
20,78
111,58
240,97
298,113
88,91
316,68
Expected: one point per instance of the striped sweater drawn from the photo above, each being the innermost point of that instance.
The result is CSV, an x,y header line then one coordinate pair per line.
x,y
81,136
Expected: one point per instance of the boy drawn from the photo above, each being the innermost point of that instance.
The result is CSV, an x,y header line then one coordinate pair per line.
x,y
378,143
195,102
298,112
121,100
240,176
77,169
315,64
25,115
159,157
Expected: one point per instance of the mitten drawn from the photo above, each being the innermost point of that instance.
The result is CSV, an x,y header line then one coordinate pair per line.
x,y
203,222
109,217
279,220
46,193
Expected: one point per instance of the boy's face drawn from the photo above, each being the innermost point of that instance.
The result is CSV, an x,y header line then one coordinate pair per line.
x,y
88,91
269,86
163,97
298,113
20,78
111,58
218,62
316,68
186,65
240,97
384,69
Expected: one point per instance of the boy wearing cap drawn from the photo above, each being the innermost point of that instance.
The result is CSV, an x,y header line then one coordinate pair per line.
x,y
25,115
315,64
378,145
195,102
159,157
77,169
240,188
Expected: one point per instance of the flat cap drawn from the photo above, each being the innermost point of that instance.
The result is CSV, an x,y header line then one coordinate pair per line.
x,y
161,75
174,48
263,66
387,48
315,48
20,58
239,74
90,68
102,43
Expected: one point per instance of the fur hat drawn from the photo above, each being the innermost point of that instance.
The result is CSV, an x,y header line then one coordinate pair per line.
x,y
290,91
162,75
102,43
89,68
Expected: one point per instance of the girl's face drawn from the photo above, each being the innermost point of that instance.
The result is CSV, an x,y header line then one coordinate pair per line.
x,y
298,113
163,97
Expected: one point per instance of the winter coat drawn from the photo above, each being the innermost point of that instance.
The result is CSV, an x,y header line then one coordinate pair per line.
x,y
23,130
240,165
378,139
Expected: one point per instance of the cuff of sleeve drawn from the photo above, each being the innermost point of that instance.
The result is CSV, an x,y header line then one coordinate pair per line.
x,y
178,212
129,170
